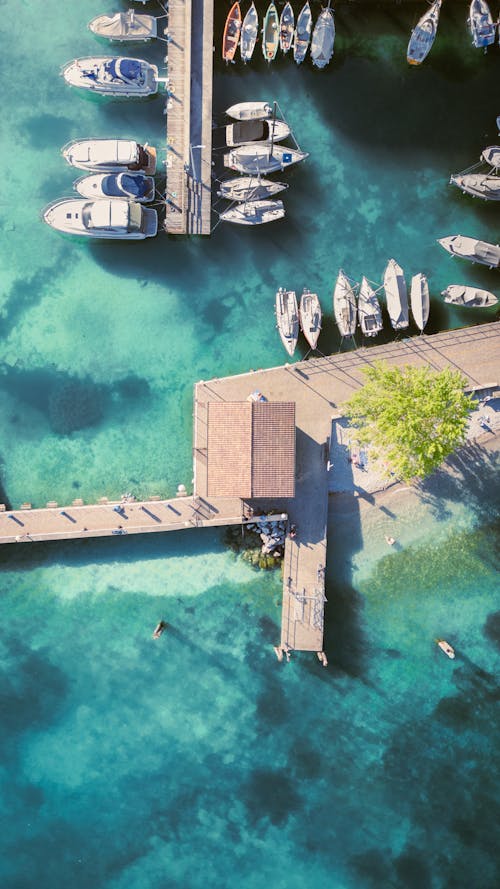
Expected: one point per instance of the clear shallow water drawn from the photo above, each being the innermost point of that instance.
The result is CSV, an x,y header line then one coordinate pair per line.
x,y
198,759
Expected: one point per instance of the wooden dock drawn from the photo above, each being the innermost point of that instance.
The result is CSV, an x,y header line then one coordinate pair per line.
x,y
189,117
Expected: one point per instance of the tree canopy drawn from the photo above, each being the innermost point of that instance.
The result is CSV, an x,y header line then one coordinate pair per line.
x,y
411,417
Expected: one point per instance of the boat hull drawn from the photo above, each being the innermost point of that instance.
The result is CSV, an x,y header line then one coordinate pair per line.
x,y
310,317
110,155
250,111
423,35
270,34
478,185
249,34
419,299
396,295
323,39
68,216
94,74
369,313
117,185
287,22
472,249
124,27
287,319
256,158
344,306
302,36
244,188
231,36
481,24
254,213
469,297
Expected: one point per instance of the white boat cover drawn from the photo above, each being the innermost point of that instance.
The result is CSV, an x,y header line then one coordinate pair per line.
x,y
100,151
124,26
110,214
323,39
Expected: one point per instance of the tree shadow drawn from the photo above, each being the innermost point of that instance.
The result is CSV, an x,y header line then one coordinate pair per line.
x,y
471,473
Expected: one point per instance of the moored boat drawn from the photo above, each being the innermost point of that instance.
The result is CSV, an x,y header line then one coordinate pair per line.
x,y
302,34
287,318
270,34
479,185
287,21
250,111
323,38
423,35
249,33
310,316
491,156
481,24
469,297
110,219
262,157
110,155
369,312
472,249
254,212
396,295
419,300
134,186
125,26
159,629
244,131
249,188
231,34
344,305
112,76
446,647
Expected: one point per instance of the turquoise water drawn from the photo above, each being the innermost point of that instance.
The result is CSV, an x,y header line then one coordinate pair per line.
x,y
198,759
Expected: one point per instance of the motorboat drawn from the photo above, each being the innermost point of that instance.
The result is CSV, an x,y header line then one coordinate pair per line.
x,y
472,249
287,21
117,219
287,318
419,300
369,311
109,76
231,35
310,316
160,628
134,186
262,157
479,185
249,33
110,155
270,34
125,27
469,297
423,35
249,188
254,212
481,24
344,305
302,34
323,38
491,156
446,647
250,111
269,130
396,295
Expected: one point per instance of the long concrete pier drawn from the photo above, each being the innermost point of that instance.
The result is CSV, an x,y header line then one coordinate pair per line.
x,y
188,191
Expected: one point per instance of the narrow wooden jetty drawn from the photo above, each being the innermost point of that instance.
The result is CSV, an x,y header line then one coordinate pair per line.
x,y
189,117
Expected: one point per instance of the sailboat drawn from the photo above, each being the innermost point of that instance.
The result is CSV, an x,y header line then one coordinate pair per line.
x,y
481,24
249,32
254,212
424,34
369,312
262,157
310,316
323,38
419,299
479,185
249,188
396,295
302,33
287,318
231,34
287,21
344,306
270,34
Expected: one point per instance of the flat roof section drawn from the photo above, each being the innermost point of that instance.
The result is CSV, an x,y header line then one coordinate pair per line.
x,y
251,449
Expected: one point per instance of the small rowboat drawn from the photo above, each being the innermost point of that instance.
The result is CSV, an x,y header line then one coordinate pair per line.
x,y
419,299
250,111
396,295
287,22
249,32
159,629
270,34
481,24
232,30
446,647
302,34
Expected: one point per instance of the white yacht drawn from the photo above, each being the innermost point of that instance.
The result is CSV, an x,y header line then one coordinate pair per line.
x,y
419,300
287,318
302,36
310,316
472,249
128,27
344,305
396,295
111,219
249,188
110,155
323,38
369,312
269,130
262,157
249,33
469,297
110,76
423,35
250,111
254,212
479,185
481,24
133,186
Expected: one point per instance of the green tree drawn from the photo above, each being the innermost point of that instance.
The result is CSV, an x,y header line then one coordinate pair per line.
x,y
412,418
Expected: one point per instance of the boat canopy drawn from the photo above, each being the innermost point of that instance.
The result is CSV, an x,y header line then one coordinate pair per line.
x,y
135,186
116,215
128,70
105,151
